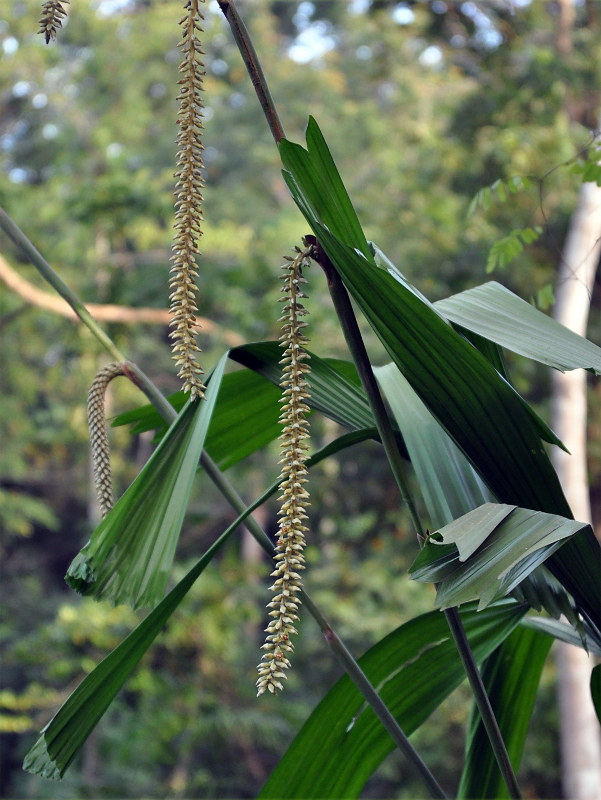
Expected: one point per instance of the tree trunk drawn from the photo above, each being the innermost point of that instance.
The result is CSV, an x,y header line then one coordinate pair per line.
x,y
580,735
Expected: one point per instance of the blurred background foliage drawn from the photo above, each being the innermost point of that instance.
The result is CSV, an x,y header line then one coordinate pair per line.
x,y
422,104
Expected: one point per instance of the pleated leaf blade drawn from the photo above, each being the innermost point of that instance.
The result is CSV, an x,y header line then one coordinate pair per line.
x,y
511,678
63,737
414,669
494,312
481,412
488,551
129,556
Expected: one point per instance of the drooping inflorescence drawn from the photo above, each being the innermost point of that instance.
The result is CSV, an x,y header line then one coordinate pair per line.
x,y
99,441
51,18
294,497
188,203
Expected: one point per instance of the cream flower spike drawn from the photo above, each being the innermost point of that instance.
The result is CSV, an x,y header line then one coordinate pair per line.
x,y
188,204
99,441
51,19
294,497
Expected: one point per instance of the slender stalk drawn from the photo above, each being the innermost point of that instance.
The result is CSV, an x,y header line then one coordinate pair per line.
x,y
483,702
340,651
16,234
253,65
354,340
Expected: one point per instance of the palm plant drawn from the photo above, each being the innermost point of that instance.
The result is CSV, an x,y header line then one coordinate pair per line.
x,y
504,545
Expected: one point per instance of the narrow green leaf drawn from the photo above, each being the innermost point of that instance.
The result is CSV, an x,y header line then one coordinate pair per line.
x,y
65,734
451,487
511,677
563,632
497,314
326,191
497,547
480,411
129,556
238,429
448,482
414,669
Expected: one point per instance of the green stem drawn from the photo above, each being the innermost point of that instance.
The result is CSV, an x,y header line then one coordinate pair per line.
x,y
354,340
168,413
44,268
253,65
482,701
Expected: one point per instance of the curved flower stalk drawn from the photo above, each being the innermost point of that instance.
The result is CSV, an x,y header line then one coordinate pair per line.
x,y
99,441
53,13
188,204
294,498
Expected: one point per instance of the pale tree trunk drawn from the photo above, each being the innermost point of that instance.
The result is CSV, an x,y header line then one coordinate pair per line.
x,y
580,735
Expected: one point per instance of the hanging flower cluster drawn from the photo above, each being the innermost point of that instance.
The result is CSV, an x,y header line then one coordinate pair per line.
x,y
294,497
188,203
51,19
99,441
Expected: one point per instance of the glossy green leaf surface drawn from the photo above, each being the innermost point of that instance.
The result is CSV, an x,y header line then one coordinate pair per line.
x,y
129,556
332,392
414,668
511,679
487,552
497,314
239,429
326,192
448,482
481,412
